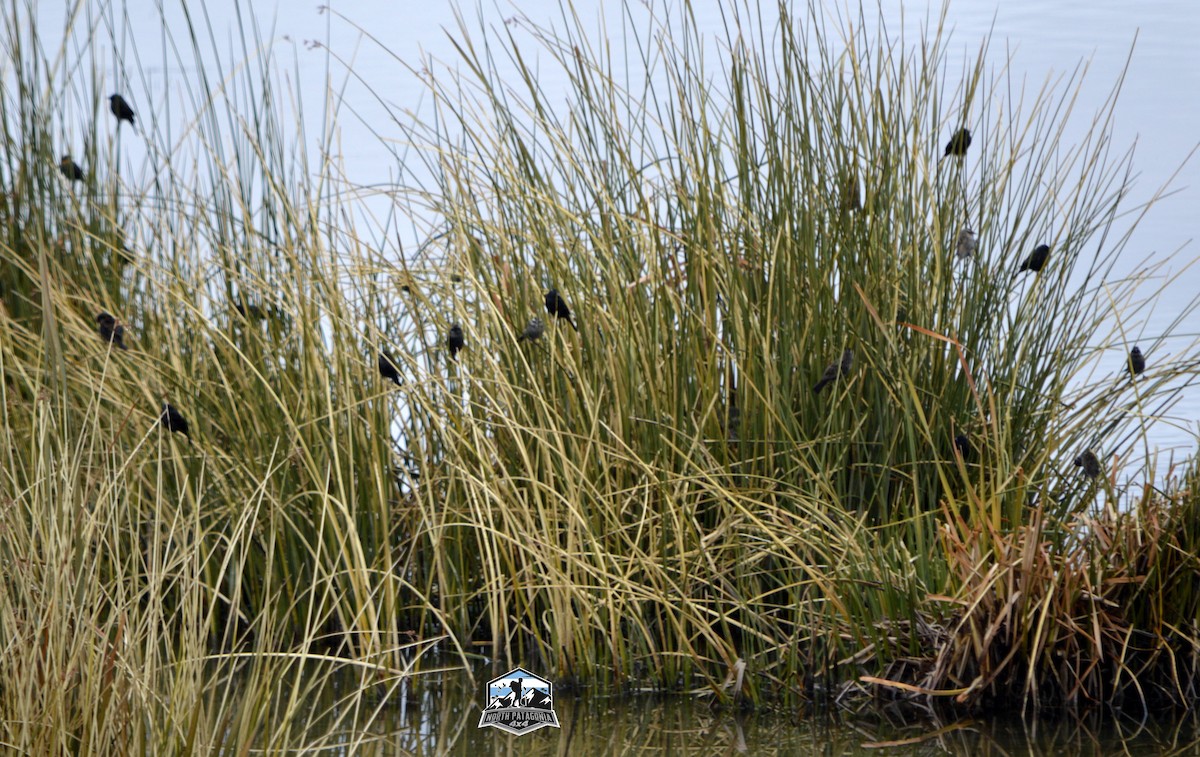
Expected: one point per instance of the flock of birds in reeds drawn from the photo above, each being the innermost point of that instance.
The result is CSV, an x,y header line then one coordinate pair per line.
x,y
112,332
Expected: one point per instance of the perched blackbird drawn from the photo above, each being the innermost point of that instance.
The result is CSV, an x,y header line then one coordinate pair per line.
x,y
965,246
962,445
174,422
958,144
454,340
1037,259
388,369
111,331
835,370
70,169
557,307
1137,363
121,109
1089,462
250,311
533,330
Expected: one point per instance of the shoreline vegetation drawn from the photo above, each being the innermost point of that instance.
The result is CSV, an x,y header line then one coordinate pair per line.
x,y
651,496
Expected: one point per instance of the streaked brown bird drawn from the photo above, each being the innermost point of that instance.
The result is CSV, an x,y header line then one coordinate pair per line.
x,y
70,169
958,144
121,110
965,245
1137,362
1037,259
110,331
557,307
174,422
835,370
1089,462
454,340
533,330
388,369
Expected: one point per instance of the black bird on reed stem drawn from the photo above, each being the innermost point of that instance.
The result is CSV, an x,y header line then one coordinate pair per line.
x,y
1036,260
962,445
111,331
454,340
1137,362
958,144
121,110
174,422
70,169
1089,462
557,307
388,369
835,370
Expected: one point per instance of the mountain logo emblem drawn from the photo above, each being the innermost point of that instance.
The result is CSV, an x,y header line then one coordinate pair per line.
x,y
519,702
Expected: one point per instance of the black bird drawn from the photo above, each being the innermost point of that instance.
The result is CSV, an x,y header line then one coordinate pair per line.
x,y
454,340
250,311
111,331
121,110
1037,259
958,144
174,422
70,169
1137,363
533,330
1089,462
835,370
557,307
388,369
963,446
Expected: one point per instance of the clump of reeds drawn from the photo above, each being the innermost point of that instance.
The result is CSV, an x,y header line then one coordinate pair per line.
x,y
162,593
656,499
662,494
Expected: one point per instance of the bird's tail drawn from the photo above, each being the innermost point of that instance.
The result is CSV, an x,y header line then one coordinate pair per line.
x,y
570,321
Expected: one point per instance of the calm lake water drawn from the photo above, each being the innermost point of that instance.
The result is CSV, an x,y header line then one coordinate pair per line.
x,y
443,719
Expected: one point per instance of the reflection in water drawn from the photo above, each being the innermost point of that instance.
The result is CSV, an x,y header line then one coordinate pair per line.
x,y
439,715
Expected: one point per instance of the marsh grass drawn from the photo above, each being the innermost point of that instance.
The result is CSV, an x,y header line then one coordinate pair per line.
x,y
656,501
668,473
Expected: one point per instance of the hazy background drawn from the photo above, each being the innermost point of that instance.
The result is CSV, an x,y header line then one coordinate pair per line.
x,y
1158,112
